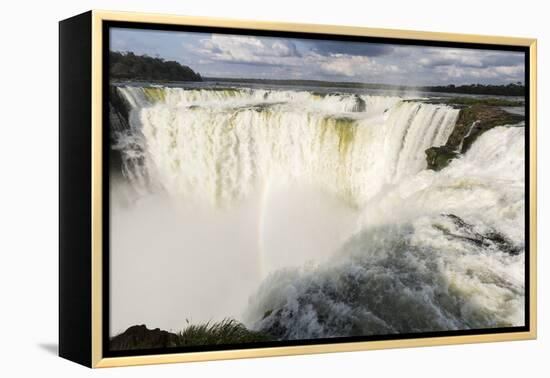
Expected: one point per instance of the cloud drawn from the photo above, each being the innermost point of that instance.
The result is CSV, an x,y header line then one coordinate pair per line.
x,y
350,48
334,60
355,66
245,49
457,73
518,70
317,58
435,57
442,57
283,58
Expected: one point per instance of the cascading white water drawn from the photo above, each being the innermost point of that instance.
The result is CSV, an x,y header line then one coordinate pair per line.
x,y
425,250
441,251
220,144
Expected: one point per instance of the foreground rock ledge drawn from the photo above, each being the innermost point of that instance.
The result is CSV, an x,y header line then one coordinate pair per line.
x,y
140,337
225,332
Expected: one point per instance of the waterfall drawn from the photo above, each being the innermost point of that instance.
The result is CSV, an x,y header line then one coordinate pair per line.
x,y
219,144
448,255
330,223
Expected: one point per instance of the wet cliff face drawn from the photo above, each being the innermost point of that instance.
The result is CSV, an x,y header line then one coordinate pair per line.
x,y
221,144
471,123
119,111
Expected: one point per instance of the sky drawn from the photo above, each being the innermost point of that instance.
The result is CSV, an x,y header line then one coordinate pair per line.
x,y
240,56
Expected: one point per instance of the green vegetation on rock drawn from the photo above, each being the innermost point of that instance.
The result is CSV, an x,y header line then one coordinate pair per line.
x,y
471,123
478,101
439,157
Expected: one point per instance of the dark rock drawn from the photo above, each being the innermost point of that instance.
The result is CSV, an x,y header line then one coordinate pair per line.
x,y
471,123
503,243
439,157
489,239
119,112
118,102
225,332
360,105
140,337
487,117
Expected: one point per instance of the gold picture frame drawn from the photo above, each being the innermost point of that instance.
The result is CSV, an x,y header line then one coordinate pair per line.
x,y
90,329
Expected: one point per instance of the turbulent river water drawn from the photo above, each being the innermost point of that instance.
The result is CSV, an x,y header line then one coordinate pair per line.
x,y
310,214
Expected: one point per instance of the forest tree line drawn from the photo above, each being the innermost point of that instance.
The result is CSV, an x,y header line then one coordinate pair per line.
x,y
512,89
129,66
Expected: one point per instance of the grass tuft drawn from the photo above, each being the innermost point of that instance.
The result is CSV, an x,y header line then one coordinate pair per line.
x,y
227,331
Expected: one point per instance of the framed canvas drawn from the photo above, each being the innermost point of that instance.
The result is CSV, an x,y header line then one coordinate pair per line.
x,y
235,189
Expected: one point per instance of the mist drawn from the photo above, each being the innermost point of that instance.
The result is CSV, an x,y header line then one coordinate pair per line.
x,y
176,261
